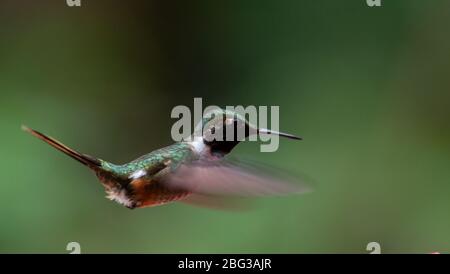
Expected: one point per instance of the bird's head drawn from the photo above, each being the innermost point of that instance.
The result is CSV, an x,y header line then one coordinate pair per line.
x,y
222,129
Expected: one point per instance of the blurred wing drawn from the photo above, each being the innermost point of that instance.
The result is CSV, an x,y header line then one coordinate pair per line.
x,y
224,178
226,203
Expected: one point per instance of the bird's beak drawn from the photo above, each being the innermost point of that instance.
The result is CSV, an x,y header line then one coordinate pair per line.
x,y
268,131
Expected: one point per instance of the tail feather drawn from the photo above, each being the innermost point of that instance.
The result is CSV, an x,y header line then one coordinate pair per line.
x,y
82,158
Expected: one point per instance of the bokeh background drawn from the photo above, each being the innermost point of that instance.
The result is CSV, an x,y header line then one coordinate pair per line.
x,y
367,88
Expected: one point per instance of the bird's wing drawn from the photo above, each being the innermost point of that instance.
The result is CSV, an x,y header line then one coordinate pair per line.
x,y
225,178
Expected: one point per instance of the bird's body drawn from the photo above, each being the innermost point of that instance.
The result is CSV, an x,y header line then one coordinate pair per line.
x,y
139,183
176,172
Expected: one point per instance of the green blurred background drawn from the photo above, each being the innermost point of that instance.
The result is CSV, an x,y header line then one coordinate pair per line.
x,y
367,88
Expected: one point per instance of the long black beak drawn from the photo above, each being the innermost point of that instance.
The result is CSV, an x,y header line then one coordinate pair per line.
x,y
268,131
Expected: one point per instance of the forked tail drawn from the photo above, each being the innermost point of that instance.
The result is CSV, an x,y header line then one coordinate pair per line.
x,y
82,158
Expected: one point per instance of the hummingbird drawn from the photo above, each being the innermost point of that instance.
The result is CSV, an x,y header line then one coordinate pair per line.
x,y
194,170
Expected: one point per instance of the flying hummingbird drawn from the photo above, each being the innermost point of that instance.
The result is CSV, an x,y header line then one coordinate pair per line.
x,y
193,171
